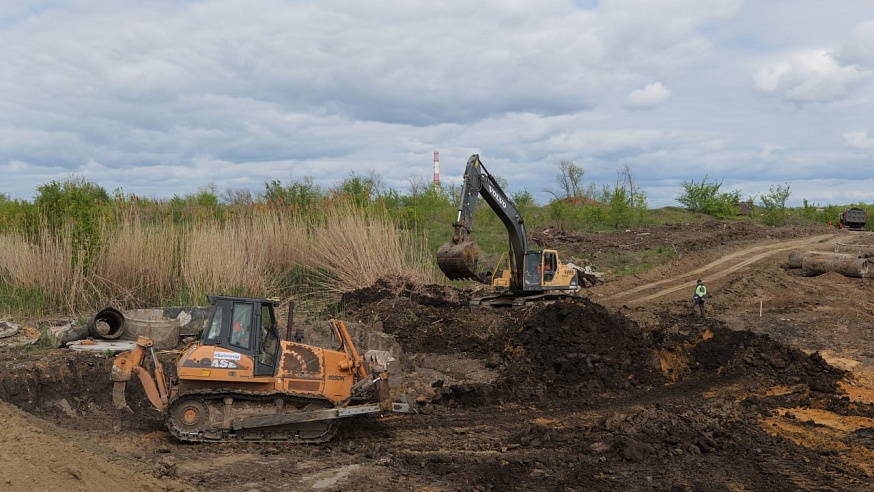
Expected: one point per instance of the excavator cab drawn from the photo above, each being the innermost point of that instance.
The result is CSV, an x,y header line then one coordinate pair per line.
x,y
541,267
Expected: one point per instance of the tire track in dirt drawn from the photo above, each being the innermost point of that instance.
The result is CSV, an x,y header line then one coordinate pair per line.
x,y
717,269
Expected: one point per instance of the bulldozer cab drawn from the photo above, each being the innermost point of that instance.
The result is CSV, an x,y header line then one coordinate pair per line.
x,y
245,326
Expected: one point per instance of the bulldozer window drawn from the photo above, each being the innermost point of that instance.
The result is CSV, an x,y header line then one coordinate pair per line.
x,y
215,327
269,342
241,328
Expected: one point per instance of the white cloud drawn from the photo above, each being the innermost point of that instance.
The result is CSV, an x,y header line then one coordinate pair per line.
x,y
770,153
862,140
859,47
811,76
163,97
650,96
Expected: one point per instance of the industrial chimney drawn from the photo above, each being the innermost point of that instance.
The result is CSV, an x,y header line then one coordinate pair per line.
x,y
436,168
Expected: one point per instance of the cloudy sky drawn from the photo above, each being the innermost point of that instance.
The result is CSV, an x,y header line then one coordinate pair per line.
x,y
162,98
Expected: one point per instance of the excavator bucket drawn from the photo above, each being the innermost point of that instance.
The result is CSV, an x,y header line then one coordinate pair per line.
x,y
458,261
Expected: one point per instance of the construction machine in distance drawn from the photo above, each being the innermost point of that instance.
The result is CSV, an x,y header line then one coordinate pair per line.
x,y
853,219
521,275
242,382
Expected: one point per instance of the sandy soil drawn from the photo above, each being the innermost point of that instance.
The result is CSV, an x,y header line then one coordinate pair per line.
x,y
619,390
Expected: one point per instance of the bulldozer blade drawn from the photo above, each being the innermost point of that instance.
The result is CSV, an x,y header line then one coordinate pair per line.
x,y
459,261
118,400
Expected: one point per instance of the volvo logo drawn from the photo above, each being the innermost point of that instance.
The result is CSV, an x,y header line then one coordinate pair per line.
x,y
497,197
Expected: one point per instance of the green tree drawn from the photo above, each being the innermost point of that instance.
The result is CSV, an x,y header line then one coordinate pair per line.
x,y
522,198
356,188
627,201
299,194
202,205
773,205
707,198
78,204
16,215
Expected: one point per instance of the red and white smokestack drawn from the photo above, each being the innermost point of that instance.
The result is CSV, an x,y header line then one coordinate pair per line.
x,y
436,168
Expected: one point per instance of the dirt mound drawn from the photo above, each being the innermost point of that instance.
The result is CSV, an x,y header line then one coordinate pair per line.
x,y
424,318
72,388
572,349
577,349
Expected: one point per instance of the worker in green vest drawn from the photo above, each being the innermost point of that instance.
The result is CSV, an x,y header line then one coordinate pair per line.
x,y
698,298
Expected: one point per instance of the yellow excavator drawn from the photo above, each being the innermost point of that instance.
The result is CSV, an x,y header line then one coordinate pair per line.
x,y
242,382
521,275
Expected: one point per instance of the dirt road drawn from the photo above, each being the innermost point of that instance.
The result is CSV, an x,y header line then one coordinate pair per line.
x,y
619,392
733,263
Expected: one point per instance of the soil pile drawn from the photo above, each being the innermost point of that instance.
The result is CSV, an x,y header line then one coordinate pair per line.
x,y
568,350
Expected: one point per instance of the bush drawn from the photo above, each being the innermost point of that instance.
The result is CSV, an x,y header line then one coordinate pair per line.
x,y
773,205
706,198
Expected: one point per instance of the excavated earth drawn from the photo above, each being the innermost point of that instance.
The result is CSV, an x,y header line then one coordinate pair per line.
x,y
617,390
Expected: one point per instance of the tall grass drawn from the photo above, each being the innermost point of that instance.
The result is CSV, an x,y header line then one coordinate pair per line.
x,y
45,277
137,265
312,256
226,259
356,248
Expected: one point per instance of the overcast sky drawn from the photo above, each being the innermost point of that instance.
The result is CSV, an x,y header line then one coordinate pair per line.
x,y
162,98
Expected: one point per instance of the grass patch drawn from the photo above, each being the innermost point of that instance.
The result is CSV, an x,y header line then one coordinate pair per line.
x,y
634,262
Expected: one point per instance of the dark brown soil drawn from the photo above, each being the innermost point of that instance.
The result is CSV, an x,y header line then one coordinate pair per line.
x,y
617,391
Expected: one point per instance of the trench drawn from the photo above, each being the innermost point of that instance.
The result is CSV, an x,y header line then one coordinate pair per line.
x,y
71,389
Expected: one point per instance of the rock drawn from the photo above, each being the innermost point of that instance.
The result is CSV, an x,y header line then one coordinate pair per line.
x,y
7,329
60,336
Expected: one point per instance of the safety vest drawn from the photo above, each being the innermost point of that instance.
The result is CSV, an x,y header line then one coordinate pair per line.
x,y
701,291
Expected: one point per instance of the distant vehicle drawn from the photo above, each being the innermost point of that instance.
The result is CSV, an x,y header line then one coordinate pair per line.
x,y
853,219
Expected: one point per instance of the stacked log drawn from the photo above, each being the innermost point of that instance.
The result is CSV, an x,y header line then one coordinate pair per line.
x,y
849,267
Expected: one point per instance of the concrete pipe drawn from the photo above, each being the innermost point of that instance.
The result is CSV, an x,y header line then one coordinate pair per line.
x,y
848,267
107,324
796,258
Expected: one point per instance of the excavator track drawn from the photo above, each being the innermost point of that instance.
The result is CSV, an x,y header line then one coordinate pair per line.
x,y
210,416
508,299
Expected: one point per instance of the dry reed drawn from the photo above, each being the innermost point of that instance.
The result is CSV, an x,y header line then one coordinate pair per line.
x,y
219,259
342,248
139,263
356,248
50,267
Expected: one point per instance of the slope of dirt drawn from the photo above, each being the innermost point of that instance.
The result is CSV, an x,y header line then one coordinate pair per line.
x,y
617,391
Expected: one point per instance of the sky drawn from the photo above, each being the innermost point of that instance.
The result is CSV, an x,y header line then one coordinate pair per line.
x,y
161,98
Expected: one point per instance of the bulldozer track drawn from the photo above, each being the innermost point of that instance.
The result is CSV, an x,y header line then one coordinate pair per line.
x,y
204,398
716,269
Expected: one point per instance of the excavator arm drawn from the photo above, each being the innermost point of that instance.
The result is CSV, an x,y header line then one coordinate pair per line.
x,y
458,258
